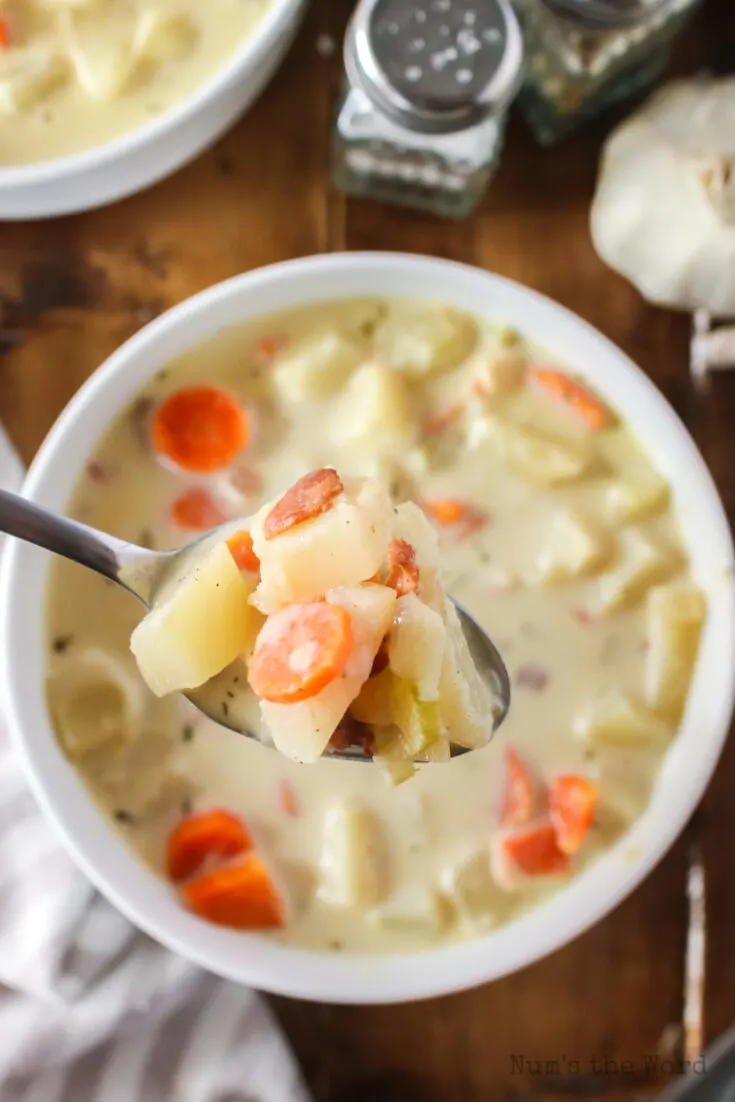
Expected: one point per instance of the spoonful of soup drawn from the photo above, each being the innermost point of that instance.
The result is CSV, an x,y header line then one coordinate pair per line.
x,y
319,624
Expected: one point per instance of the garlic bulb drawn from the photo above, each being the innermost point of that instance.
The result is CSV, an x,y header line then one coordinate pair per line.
x,y
664,211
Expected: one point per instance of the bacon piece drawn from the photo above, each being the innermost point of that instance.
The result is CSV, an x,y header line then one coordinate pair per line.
x,y
311,495
403,573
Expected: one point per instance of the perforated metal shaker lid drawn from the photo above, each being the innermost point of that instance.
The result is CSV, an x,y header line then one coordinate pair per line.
x,y
435,66
606,14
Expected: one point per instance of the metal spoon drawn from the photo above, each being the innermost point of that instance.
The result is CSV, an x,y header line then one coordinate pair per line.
x,y
141,572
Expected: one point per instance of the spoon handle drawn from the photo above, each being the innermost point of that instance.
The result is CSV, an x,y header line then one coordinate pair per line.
x,y
21,518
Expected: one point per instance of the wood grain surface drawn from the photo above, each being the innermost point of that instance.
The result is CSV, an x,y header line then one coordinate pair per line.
x,y
599,1018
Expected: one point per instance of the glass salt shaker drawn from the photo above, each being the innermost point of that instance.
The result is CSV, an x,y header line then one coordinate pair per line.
x,y
428,83
586,55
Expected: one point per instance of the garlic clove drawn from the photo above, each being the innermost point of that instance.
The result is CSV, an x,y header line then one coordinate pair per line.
x,y
664,209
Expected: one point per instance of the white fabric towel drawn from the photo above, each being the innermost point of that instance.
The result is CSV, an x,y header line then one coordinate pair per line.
x,y
92,1010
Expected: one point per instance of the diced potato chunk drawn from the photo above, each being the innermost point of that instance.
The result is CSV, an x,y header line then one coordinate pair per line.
x,y
353,866
637,488
101,52
301,731
162,36
499,365
315,367
419,338
640,562
472,890
28,75
374,705
410,523
96,701
374,414
616,720
624,783
674,615
630,499
197,627
538,457
572,548
415,909
416,645
344,546
466,704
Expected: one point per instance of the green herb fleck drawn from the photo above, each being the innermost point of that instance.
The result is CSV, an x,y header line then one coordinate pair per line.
x,y
185,808
336,945
147,539
187,732
225,708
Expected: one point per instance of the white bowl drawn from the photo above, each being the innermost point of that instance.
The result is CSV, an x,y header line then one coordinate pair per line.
x,y
345,977
147,154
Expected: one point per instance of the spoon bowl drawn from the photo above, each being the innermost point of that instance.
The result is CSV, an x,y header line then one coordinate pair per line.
x,y
142,572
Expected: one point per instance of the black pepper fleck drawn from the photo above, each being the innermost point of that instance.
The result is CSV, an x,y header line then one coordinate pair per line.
x,y
62,643
185,808
225,708
230,694
187,732
124,816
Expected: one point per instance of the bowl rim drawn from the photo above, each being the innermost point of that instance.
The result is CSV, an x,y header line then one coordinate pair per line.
x,y
351,977
266,32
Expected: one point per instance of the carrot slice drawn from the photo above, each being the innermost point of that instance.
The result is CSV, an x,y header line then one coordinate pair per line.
x,y
200,428
195,838
5,37
241,549
299,651
311,495
575,395
196,509
572,803
520,792
403,573
535,851
242,895
450,513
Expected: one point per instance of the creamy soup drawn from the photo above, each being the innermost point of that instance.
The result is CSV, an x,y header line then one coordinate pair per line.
x,y
554,530
76,75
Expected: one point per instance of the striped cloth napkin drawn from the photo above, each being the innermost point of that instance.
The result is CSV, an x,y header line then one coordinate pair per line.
x,y
92,1010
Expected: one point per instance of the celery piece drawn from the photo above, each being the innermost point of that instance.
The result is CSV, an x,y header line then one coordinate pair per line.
x,y
418,720
390,754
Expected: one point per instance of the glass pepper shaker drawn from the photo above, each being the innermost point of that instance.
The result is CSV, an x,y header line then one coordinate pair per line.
x,y
586,55
422,116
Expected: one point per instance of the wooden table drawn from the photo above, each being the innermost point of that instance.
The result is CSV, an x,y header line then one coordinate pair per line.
x,y
73,289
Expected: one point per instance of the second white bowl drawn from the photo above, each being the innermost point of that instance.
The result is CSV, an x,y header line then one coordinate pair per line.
x,y
106,173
